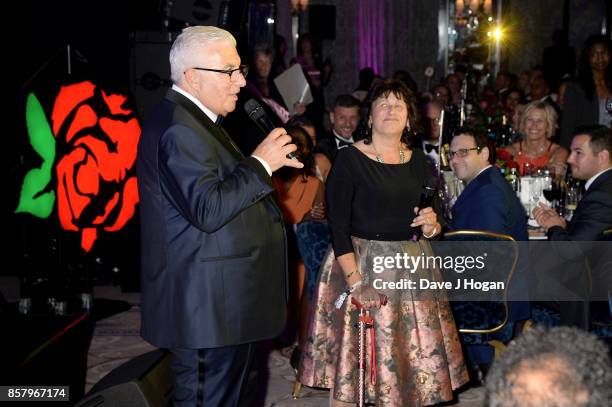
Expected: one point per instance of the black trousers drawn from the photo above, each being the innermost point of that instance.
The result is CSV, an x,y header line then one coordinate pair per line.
x,y
213,377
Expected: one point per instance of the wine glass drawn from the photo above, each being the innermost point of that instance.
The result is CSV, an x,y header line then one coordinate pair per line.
x,y
536,193
552,194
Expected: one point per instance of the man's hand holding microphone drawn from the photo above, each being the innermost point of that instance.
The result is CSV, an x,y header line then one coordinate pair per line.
x,y
275,148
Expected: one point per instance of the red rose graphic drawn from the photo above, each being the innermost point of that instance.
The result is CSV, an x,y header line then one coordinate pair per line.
x,y
96,148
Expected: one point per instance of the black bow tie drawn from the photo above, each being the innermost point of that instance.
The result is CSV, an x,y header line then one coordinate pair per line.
x,y
219,120
429,147
343,143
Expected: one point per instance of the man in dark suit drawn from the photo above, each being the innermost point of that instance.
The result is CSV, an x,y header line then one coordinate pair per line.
x,y
488,202
345,119
213,244
591,160
429,140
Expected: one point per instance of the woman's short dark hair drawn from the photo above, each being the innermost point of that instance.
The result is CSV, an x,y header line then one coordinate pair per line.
x,y
402,92
300,121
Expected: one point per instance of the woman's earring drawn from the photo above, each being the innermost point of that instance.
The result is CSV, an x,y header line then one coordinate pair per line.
x,y
408,125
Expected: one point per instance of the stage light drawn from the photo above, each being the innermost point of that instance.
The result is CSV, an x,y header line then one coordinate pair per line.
x,y
497,33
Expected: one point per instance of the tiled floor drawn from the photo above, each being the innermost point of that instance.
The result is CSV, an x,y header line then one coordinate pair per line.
x,y
116,340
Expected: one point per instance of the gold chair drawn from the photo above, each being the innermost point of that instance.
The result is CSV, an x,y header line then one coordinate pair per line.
x,y
483,235
606,234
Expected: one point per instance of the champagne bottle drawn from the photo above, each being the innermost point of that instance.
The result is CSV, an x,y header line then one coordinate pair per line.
x,y
512,178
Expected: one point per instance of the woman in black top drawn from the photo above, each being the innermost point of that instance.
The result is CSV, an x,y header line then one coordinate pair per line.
x,y
585,100
373,192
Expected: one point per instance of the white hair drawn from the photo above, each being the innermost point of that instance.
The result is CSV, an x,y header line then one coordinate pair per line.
x,y
187,44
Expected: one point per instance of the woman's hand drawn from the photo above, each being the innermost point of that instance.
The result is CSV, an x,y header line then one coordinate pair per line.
x,y
316,213
299,108
427,219
369,297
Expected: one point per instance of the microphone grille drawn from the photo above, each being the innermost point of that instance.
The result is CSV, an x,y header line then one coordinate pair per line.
x,y
253,109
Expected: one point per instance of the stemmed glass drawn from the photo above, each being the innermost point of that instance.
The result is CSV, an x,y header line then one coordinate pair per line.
x,y
571,201
536,193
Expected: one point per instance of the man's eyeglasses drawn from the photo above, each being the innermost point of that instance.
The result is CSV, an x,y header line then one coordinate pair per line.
x,y
462,152
243,69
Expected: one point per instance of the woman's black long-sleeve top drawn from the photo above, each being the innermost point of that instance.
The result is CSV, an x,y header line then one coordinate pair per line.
x,y
373,200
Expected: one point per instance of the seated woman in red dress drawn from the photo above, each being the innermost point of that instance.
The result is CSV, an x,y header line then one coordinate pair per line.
x,y
535,150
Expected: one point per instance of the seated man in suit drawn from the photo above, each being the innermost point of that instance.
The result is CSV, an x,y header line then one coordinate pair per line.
x,y
429,140
345,119
489,203
591,160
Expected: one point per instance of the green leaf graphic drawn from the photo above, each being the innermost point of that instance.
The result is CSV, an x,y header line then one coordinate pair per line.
x,y
31,199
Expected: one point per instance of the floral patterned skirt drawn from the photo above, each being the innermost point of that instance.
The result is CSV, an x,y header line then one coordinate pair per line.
x,y
418,354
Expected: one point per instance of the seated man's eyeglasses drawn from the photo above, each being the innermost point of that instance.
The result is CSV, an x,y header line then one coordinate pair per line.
x,y
243,69
462,152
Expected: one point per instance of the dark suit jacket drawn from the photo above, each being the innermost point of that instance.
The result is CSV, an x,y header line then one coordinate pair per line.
x,y
328,147
213,244
417,144
327,144
489,203
593,214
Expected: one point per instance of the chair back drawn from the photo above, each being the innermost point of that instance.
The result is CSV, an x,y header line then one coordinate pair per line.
x,y
484,235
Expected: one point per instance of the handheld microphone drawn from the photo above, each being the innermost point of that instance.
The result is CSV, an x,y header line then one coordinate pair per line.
x,y
428,192
258,115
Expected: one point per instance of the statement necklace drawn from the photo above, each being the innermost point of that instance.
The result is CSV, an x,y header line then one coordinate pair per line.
x,y
380,160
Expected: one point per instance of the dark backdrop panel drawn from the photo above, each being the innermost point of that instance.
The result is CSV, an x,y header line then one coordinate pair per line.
x,y
149,69
322,22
